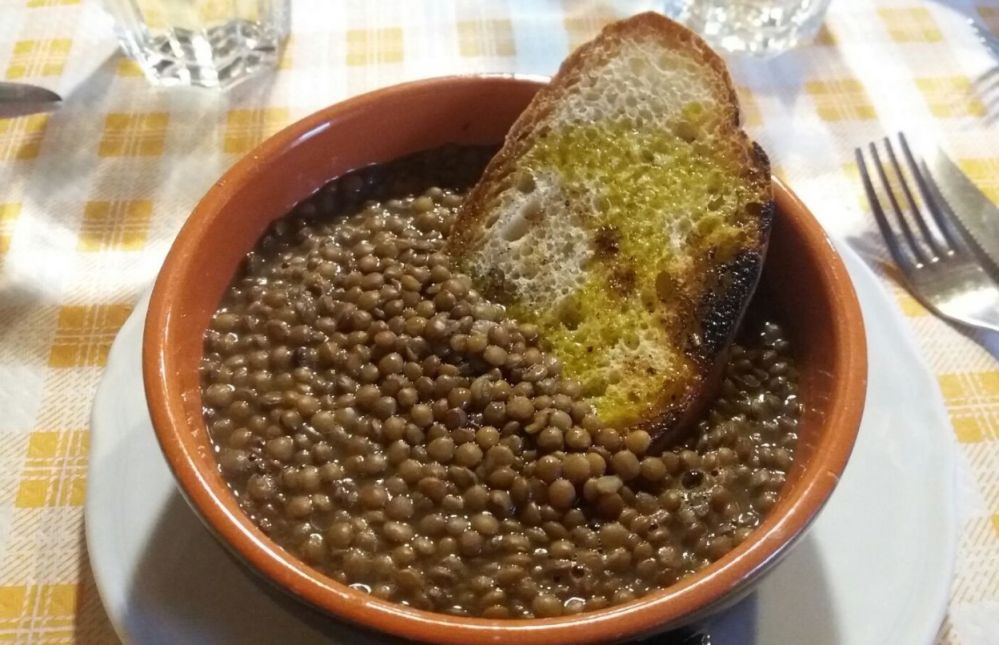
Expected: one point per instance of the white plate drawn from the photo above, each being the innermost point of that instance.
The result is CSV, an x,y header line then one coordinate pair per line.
x,y
874,568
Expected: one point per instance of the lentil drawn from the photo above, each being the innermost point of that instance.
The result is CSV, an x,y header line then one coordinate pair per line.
x,y
381,419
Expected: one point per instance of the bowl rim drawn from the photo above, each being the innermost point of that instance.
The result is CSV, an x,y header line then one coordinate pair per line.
x,y
693,595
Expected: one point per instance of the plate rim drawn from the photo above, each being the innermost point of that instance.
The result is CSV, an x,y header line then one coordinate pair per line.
x,y
937,597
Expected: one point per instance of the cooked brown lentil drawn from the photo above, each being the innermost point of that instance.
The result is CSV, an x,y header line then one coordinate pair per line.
x,y
379,419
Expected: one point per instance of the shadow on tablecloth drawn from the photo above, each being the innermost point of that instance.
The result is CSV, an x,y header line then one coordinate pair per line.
x,y
91,625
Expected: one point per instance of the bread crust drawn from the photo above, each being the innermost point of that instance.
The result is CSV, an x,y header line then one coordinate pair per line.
x,y
546,100
722,293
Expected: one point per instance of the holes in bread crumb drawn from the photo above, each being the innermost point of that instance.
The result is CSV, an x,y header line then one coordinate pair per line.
x,y
532,210
694,109
622,280
520,224
605,241
686,131
707,224
648,300
595,386
525,182
569,314
665,286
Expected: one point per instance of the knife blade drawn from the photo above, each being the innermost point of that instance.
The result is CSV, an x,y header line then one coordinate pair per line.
x,y
975,213
19,99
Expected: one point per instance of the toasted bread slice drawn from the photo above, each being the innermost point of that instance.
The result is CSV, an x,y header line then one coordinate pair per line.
x,y
627,215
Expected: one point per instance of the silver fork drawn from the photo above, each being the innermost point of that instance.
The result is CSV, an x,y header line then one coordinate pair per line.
x,y
940,268
988,38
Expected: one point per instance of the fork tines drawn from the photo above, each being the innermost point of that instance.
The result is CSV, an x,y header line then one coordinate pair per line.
x,y
923,240
987,38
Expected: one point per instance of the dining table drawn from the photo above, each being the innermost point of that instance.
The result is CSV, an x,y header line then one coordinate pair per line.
x,y
93,192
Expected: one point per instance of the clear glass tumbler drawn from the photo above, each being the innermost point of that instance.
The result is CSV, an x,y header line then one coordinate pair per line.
x,y
755,26
211,43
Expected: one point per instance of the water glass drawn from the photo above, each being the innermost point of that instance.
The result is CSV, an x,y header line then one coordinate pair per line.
x,y
755,26
210,43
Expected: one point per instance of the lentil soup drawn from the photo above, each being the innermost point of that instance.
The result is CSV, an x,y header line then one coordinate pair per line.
x,y
385,423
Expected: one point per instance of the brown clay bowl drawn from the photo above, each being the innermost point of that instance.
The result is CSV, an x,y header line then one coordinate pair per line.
x,y
804,279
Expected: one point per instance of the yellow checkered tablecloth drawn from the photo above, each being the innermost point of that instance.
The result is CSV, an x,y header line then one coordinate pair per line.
x,y
92,195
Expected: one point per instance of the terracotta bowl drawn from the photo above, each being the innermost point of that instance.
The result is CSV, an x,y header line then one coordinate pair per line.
x,y
804,279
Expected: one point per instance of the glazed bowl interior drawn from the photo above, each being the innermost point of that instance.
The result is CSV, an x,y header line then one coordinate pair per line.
x,y
818,307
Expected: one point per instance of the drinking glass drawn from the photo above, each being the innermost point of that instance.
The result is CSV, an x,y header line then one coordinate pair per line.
x,y
755,26
210,43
